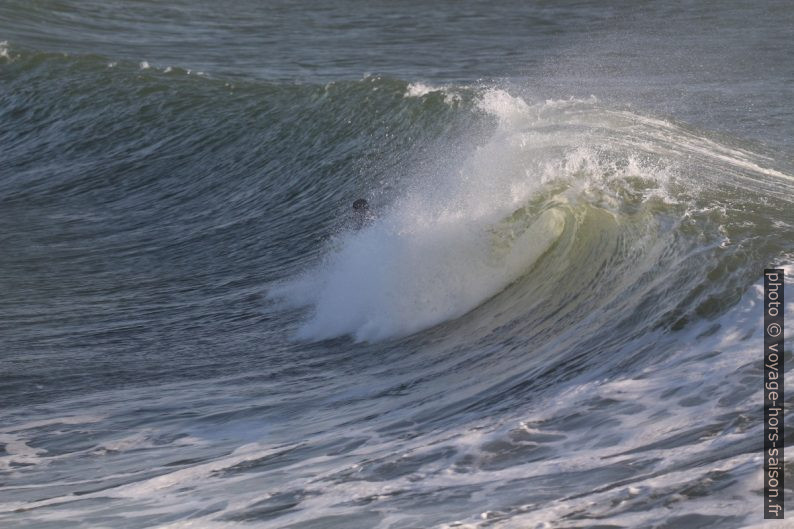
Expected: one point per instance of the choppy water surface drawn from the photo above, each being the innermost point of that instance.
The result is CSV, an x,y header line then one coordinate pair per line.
x,y
552,322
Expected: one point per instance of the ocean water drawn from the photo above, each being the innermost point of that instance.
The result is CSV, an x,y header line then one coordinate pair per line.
x,y
553,320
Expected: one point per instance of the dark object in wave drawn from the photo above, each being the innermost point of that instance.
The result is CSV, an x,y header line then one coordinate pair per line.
x,y
362,215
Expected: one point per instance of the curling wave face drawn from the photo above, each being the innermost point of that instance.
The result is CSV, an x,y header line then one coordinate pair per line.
x,y
556,189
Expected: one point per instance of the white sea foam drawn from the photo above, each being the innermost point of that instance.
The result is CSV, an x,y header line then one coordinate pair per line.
x,y
646,422
419,89
16,440
67,419
18,452
431,256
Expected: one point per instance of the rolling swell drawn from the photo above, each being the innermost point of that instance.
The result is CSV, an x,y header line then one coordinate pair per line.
x,y
547,294
158,185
